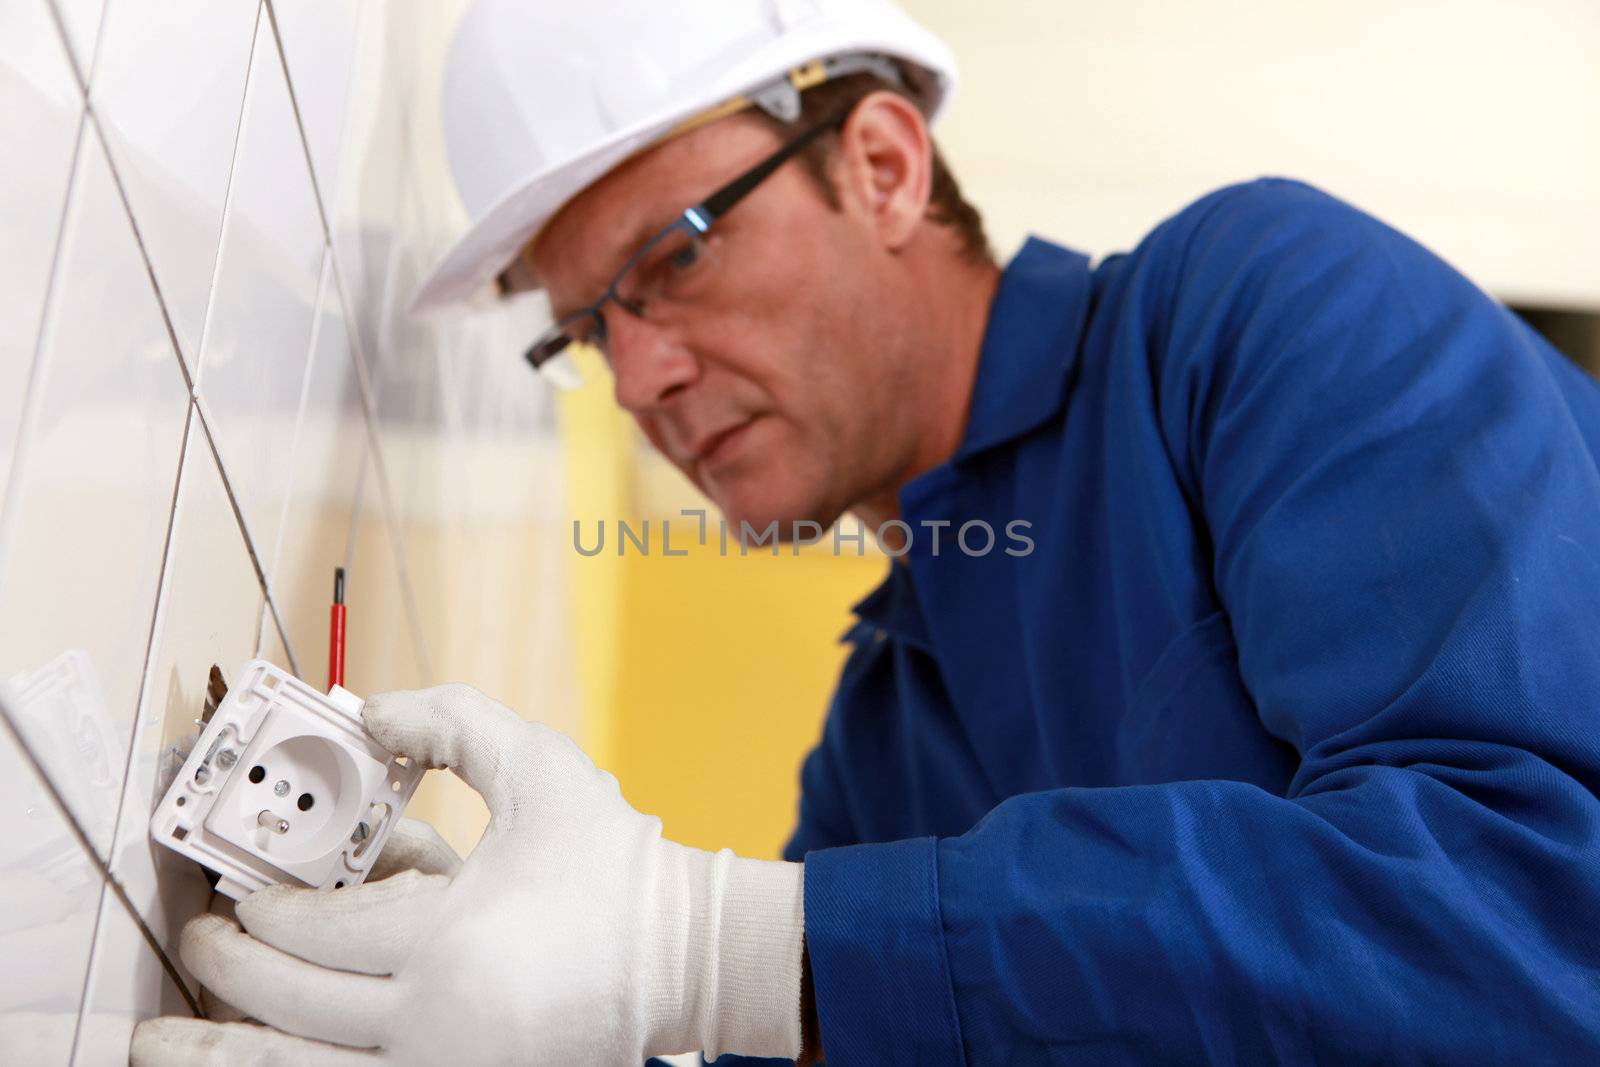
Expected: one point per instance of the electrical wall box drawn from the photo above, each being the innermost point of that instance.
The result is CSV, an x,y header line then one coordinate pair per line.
x,y
284,786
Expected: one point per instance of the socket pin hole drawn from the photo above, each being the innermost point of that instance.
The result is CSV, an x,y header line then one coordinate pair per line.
x,y
257,773
338,885
181,801
180,833
305,802
395,785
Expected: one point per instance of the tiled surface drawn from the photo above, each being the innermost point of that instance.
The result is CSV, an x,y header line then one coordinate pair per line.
x,y
319,44
258,326
86,526
210,613
329,453
49,892
125,983
161,474
383,644
39,124
272,647
168,88
381,130
81,20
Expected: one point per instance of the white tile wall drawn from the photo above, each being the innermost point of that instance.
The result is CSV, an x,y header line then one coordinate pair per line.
x,y
49,895
80,19
83,534
39,123
329,454
319,47
208,400
168,88
258,326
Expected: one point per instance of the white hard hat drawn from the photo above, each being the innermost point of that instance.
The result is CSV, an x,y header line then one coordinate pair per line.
x,y
543,98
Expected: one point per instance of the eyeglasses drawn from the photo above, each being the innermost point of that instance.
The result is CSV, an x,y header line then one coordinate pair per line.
x,y
670,268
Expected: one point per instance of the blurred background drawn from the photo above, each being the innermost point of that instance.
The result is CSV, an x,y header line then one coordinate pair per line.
x,y
210,395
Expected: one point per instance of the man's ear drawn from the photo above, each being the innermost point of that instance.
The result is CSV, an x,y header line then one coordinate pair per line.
x,y
887,165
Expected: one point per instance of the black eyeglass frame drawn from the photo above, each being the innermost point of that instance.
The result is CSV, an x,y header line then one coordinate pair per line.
x,y
695,222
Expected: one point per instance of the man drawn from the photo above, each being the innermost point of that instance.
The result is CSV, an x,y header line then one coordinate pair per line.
x,y
1281,743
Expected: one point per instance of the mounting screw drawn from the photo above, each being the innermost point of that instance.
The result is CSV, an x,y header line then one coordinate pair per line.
x,y
359,834
227,758
281,788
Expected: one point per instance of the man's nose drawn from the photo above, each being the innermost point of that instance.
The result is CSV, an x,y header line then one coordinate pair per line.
x,y
650,361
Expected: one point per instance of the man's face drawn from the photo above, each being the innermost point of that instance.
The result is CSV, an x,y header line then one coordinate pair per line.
x,y
772,385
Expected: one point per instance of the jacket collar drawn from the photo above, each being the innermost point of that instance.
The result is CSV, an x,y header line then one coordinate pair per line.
x,y
1029,346
891,608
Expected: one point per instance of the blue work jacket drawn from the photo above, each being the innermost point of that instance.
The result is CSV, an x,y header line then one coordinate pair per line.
x,y
1283,742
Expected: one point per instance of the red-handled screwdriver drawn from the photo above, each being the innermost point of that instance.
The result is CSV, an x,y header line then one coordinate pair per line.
x,y
336,631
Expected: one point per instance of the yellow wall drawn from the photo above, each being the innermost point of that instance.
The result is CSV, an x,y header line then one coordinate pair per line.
x,y
725,666
704,678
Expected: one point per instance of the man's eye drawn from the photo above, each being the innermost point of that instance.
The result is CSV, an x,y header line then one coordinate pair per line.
x,y
685,257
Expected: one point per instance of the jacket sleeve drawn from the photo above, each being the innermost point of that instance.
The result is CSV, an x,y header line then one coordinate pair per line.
x,y
1397,483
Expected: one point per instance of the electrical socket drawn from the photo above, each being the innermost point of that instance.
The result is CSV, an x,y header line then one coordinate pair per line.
x,y
284,786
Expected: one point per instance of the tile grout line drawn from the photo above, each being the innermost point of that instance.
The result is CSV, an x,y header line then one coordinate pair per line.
x,y
78,73
88,974
299,122
369,388
323,289
111,882
89,125
88,970
277,622
303,403
204,419
385,484
364,375
227,208
261,630
156,615
91,120
31,388
402,565
144,251
183,453
201,408
355,512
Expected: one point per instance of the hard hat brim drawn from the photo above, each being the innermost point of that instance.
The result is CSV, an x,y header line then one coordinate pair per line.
x,y
490,243
493,241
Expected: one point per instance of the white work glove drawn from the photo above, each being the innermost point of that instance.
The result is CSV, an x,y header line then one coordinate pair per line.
x,y
573,933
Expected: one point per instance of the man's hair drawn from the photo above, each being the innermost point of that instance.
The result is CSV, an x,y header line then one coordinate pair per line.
x,y
946,205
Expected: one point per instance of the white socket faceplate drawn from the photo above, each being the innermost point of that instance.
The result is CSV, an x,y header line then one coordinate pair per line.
x,y
284,786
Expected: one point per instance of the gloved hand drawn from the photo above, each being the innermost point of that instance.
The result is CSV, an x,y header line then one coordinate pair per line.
x,y
411,846
573,933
